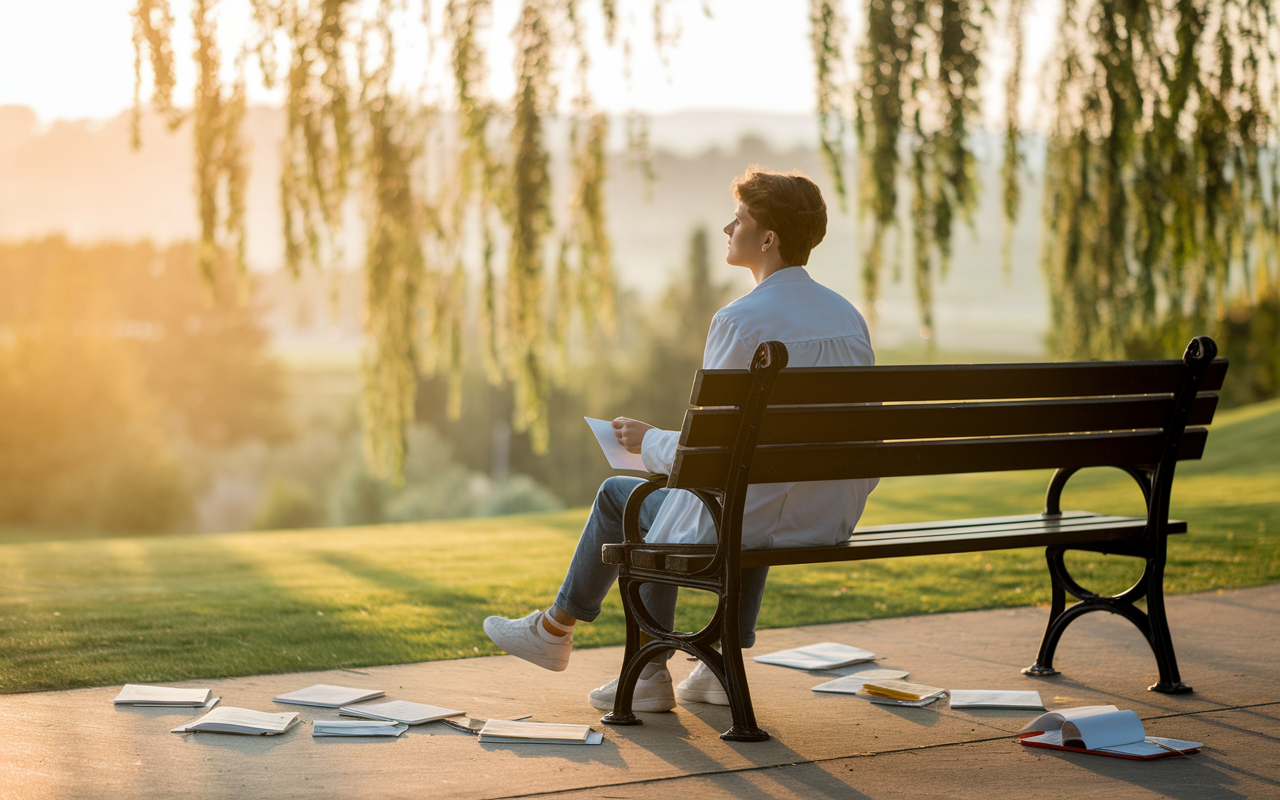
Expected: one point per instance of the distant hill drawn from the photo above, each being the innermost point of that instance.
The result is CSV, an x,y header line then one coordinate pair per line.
x,y
81,178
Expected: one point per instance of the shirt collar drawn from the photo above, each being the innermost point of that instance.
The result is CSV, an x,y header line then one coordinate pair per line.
x,y
785,275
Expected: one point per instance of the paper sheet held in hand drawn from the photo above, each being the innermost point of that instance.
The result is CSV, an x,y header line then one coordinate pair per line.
x,y
619,457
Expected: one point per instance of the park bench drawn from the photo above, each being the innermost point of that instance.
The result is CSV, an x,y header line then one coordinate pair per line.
x,y
770,424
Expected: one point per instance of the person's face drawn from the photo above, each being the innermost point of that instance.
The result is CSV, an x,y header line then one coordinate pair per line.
x,y
747,241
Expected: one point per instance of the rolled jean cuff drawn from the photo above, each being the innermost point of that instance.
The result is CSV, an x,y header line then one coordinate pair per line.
x,y
573,609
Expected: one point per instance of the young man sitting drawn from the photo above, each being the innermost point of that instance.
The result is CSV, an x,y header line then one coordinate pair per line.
x,y
779,219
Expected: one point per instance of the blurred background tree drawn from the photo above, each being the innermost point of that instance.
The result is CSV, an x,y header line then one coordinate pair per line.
x,y
113,356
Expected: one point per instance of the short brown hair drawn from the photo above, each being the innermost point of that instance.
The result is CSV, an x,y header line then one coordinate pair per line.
x,y
789,204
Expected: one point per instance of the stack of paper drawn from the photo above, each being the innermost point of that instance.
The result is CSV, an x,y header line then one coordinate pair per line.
x,y
852,684
1101,730
400,711
363,728
240,720
326,696
991,698
900,693
825,655
505,731
166,696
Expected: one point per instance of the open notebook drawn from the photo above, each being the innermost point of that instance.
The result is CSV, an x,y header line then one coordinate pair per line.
x,y
1101,730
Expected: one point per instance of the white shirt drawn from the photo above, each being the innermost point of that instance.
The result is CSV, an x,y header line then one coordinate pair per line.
x,y
820,329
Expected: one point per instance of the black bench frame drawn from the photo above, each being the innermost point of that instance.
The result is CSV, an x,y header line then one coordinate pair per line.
x,y
765,425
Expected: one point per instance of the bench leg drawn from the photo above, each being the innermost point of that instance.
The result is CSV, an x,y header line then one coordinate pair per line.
x,y
1043,667
727,665
1158,633
1153,624
734,678
622,713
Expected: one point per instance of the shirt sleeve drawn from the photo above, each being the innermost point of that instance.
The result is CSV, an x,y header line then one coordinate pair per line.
x,y
658,450
725,350
725,346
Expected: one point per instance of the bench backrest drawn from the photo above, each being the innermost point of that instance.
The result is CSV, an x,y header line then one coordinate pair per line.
x,y
870,422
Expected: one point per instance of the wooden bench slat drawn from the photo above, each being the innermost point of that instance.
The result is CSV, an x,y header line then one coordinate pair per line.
x,y
993,533
1008,525
826,385
717,427
967,523
706,467
860,548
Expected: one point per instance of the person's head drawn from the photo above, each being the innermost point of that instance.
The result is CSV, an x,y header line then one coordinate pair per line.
x,y
788,213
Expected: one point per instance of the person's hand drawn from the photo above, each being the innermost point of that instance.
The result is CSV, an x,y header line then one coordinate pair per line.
x,y
630,432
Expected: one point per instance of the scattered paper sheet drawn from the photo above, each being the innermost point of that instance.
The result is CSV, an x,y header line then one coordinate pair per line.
x,y
851,684
619,457
991,698
327,696
824,655
240,720
400,711
366,728
134,694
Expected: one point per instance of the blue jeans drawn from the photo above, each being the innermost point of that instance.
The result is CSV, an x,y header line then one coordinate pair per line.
x,y
589,579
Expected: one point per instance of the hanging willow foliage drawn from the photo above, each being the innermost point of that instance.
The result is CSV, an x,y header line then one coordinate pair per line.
x,y
529,218
918,81
217,114
346,126
1161,177
1161,173
918,67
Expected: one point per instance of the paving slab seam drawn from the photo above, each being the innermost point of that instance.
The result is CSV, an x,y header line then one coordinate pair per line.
x,y
807,762
1213,710
742,770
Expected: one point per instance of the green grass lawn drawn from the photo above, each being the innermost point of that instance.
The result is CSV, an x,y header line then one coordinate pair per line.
x,y
107,611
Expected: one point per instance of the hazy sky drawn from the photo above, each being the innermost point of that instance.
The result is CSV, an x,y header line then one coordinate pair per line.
x,y
74,58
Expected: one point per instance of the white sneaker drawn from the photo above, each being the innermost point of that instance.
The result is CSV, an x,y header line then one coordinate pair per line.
x,y
526,638
702,686
653,694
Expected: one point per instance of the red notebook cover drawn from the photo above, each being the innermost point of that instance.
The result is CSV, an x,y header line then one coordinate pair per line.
x,y
1022,738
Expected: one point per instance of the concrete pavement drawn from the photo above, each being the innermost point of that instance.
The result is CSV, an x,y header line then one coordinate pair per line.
x,y
75,744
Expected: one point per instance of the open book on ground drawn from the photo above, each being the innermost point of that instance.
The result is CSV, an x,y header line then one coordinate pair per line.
x,y
506,731
328,727
1102,730
824,655
900,693
229,719
852,684
994,698
326,696
134,694
400,711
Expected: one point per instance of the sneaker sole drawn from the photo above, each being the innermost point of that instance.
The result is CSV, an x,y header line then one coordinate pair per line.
x,y
715,698
644,706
